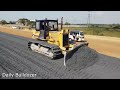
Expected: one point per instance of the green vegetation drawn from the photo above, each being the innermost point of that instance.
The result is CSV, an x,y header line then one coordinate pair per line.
x,y
100,31
67,23
23,21
31,24
26,22
3,22
112,30
12,22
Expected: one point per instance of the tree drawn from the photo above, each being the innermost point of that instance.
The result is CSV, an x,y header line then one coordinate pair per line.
x,y
117,26
12,22
31,24
24,21
3,22
67,23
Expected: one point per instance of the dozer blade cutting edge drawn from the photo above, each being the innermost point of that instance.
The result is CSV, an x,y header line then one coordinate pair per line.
x,y
69,54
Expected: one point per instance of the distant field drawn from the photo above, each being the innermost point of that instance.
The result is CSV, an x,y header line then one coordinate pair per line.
x,y
100,31
102,44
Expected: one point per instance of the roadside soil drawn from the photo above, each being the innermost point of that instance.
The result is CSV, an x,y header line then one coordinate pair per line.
x,y
105,45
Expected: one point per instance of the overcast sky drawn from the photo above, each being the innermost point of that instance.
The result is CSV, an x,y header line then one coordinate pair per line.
x,y
98,17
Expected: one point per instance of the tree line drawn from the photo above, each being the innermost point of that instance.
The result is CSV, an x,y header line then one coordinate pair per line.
x,y
22,21
27,22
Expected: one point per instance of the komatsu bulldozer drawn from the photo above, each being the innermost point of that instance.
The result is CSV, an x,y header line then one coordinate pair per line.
x,y
50,40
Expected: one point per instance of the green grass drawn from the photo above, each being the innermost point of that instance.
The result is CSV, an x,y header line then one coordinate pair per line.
x,y
100,31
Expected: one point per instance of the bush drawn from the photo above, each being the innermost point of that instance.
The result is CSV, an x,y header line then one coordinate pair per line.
x,y
3,22
12,22
67,23
101,34
116,27
96,32
24,21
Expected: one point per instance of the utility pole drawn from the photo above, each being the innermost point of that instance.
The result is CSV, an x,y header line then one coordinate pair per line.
x,y
88,21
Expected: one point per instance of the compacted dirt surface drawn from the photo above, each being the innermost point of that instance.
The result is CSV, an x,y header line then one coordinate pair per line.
x,y
86,63
105,45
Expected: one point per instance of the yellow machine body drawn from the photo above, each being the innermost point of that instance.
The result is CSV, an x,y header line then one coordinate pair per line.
x,y
57,38
52,41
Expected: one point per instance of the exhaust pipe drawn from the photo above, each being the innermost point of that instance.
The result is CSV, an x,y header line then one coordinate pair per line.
x,y
62,23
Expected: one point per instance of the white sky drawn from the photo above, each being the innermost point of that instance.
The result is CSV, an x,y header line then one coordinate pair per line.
x,y
98,17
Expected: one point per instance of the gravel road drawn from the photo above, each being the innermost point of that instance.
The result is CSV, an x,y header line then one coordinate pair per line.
x,y
15,57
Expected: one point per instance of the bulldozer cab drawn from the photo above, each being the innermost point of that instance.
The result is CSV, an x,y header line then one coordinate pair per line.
x,y
44,26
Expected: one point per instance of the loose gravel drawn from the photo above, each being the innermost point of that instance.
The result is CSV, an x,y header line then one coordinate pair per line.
x,y
85,63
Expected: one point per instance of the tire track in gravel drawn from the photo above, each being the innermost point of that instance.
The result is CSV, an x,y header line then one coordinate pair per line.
x,y
2,67
9,65
101,69
112,65
71,73
40,63
15,54
67,74
50,63
12,65
14,51
3,70
24,47
28,65
55,71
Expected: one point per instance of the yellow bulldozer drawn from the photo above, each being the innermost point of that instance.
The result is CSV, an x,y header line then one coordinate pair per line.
x,y
52,41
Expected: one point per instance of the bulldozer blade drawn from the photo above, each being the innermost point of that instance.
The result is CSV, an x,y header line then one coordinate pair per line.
x,y
70,53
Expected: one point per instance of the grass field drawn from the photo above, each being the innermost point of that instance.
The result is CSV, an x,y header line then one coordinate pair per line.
x,y
100,31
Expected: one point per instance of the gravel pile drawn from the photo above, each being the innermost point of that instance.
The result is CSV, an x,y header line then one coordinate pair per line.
x,y
81,58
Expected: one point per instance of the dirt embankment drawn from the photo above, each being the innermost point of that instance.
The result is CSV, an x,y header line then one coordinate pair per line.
x,y
18,32
106,45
